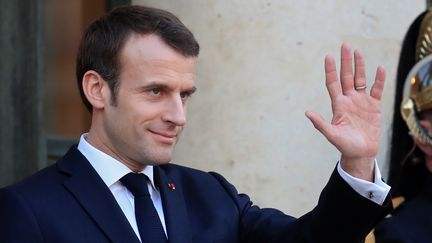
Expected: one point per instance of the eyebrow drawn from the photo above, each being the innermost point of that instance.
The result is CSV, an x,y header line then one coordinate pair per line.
x,y
163,86
152,85
191,90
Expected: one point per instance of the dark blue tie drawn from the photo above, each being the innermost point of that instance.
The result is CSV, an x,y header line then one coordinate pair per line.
x,y
149,224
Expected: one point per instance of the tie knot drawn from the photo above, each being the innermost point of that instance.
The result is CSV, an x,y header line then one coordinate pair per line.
x,y
136,183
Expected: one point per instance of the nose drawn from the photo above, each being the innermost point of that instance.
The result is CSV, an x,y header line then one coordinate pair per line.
x,y
175,112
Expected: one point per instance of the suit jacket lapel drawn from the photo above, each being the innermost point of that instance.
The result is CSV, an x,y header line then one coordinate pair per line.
x,y
95,197
176,218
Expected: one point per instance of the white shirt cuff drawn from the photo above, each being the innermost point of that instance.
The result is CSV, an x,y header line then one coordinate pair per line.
x,y
376,191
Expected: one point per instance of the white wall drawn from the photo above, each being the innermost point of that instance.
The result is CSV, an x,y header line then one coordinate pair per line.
x,y
260,68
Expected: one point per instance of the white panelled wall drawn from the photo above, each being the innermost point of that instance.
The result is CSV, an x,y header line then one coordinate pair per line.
x,y
260,68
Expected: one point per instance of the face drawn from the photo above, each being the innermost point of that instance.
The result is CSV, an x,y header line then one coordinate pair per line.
x,y
426,122
150,113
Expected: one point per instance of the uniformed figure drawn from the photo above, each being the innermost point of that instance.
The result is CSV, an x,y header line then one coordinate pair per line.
x,y
411,143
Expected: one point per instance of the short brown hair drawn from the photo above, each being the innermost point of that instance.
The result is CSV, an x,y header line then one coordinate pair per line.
x,y
103,40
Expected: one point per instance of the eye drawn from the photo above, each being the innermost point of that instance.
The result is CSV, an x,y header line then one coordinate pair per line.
x,y
185,96
155,91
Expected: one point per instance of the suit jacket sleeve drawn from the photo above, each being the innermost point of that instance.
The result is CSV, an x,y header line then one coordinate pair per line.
x,y
342,215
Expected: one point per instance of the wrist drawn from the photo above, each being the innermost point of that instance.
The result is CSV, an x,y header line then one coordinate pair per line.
x,y
362,167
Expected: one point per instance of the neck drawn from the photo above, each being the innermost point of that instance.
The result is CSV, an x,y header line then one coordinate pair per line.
x,y
98,143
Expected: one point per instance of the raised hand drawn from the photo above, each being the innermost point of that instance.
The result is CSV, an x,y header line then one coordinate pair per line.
x,y
356,123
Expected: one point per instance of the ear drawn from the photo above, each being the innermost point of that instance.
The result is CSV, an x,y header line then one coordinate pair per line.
x,y
95,89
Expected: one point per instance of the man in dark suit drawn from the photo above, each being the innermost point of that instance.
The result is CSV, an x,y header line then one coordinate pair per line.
x,y
136,72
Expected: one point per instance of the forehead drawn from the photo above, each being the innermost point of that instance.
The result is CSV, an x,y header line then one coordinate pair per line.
x,y
149,49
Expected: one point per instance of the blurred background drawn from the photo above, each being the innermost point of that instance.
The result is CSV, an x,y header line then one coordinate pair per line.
x,y
260,68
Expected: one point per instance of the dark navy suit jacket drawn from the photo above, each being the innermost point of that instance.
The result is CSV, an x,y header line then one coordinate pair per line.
x,y
69,202
411,222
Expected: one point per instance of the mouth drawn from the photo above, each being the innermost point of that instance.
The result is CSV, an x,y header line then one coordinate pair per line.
x,y
164,137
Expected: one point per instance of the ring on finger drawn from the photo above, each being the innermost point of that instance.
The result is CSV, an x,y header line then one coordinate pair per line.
x,y
358,88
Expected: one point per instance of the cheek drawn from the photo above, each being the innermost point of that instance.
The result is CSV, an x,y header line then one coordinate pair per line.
x,y
425,148
185,110
145,113
147,110
136,110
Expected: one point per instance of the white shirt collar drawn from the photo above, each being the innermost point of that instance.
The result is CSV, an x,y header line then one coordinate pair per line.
x,y
108,168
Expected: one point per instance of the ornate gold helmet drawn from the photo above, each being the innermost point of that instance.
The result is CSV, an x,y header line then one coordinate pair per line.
x,y
417,94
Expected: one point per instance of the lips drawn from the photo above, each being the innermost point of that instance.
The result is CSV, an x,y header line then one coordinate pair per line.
x,y
164,137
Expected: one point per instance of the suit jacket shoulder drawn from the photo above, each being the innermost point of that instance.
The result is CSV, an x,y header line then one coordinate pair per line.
x,y
59,201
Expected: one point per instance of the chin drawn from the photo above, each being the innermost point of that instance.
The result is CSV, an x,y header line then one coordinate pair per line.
x,y
161,159
159,162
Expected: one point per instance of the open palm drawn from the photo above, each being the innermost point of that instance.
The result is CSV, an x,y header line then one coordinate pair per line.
x,y
356,124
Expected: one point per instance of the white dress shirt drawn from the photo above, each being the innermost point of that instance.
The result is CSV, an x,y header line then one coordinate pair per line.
x,y
376,191
111,171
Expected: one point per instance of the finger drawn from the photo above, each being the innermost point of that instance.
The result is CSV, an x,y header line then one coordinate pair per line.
x,y
378,86
319,123
332,83
346,74
360,73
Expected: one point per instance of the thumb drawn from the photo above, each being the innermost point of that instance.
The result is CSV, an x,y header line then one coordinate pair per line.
x,y
319,123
